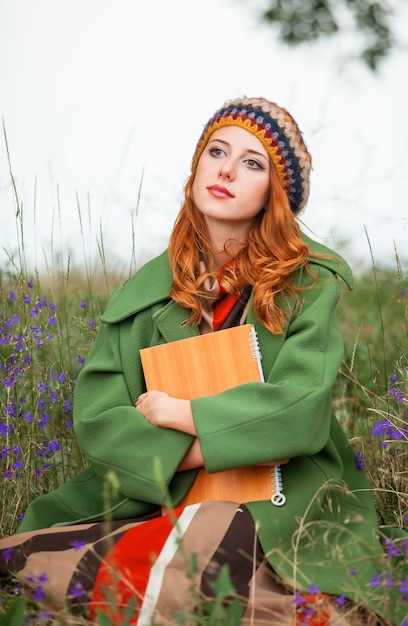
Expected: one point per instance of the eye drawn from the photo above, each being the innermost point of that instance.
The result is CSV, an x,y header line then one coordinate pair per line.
x,y
216,152
254,165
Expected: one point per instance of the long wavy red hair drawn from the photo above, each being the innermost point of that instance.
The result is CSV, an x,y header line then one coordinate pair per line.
x,y
267,261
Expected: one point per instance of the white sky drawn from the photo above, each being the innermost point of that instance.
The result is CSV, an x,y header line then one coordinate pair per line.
x,y
94,92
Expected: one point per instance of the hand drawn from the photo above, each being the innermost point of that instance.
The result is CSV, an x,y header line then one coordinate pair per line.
x,y
163,411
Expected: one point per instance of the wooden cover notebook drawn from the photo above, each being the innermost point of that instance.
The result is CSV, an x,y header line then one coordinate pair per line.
x,y
205,365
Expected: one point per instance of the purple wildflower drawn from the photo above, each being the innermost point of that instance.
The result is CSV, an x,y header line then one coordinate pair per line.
x,y
12,320
29,417
77,545
307,613
340,600
10,409
298,599
43,578
84,304
53,396
53,446
43,420
376,581
359,461
390,548
403,588
5,429
39,593
77,590
382,427
313,588
6,554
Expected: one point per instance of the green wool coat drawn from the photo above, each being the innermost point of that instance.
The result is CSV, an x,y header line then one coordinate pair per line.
x,y
326,533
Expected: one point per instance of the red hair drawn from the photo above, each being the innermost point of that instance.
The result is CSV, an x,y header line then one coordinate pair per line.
x,y
267,261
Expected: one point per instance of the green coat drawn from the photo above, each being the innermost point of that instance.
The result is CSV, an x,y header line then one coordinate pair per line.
x,y
322,532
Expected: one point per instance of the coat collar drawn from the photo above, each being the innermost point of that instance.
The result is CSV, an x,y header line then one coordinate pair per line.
x,y
150,287
330,260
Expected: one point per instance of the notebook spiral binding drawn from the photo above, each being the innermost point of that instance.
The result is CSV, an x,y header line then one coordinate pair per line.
x,y
256,350
254,343
277,497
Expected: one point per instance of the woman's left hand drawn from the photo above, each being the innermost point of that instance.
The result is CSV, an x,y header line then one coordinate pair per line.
x,y
161,410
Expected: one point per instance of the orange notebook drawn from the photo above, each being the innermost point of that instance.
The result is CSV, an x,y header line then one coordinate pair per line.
x,y
205,365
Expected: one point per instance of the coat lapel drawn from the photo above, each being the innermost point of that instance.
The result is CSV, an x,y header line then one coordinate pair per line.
x,y
171,322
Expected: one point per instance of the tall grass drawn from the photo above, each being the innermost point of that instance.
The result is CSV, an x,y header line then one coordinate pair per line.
x,y
47,326
371,394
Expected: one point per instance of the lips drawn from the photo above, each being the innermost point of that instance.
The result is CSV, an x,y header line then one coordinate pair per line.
x,y
219,191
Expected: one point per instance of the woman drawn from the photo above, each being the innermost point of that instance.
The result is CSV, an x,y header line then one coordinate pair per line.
x,y
236,255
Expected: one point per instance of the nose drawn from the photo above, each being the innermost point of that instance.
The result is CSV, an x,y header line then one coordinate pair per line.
x,y
227,170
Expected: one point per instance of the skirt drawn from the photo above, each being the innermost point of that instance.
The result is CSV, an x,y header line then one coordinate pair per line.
x,y
198,561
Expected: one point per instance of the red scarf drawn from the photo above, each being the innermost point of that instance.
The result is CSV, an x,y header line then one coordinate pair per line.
x,y
221,310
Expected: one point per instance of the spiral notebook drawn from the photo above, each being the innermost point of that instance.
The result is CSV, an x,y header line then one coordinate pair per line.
x,y
205,365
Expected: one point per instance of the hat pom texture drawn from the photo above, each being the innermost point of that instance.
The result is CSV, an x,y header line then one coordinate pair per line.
x,y
280,135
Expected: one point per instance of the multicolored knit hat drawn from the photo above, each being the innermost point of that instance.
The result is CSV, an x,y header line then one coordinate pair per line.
x,y
278,132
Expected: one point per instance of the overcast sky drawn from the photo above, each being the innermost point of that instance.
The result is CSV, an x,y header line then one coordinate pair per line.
x,y
96,93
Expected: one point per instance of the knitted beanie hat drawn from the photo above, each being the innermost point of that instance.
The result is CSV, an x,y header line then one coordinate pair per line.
x,y
280,135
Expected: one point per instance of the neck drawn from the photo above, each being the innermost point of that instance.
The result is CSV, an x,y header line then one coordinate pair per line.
x,y
226,241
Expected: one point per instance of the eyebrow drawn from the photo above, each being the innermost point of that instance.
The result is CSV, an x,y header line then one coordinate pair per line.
x,y
248,150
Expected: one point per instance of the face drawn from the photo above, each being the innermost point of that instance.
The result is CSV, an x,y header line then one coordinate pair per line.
x,y
232,182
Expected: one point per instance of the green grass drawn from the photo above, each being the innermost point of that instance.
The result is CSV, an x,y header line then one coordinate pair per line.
x,y
371,395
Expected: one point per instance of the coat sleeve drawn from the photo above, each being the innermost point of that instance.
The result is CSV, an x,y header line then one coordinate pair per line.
x,y
289,415
112,433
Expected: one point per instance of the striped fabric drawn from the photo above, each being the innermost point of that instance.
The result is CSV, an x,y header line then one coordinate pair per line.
x,y
160,570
